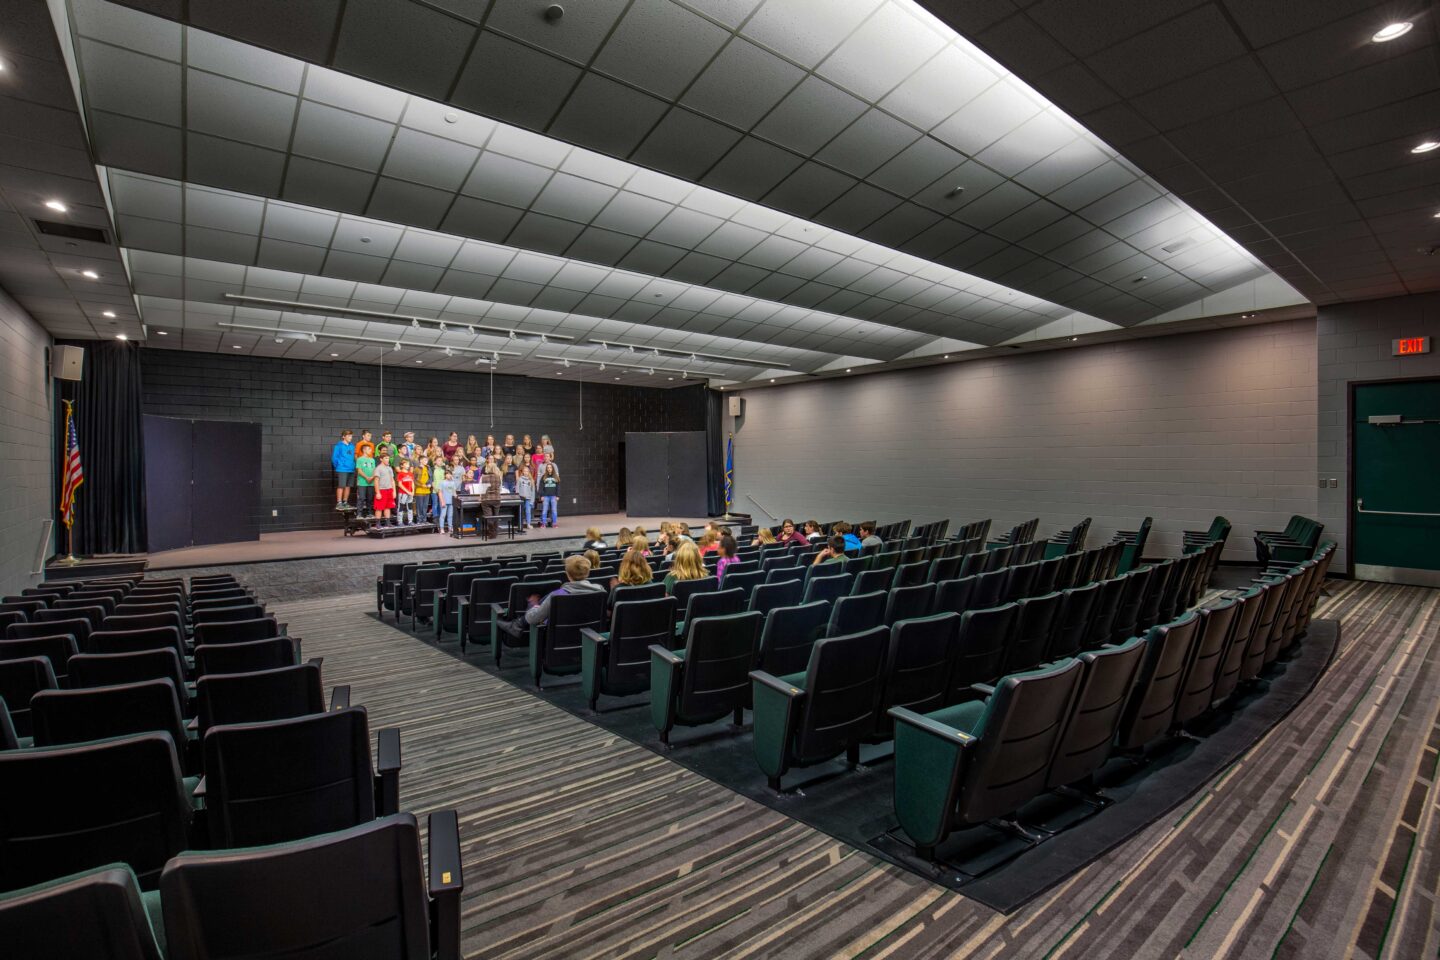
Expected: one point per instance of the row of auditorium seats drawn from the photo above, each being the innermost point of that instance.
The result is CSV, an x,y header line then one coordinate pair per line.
x,y
155,736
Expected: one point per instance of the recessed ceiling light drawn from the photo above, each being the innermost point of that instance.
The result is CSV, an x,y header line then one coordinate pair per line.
x,y
1391,31
669,378
235,347
946,357
1073,339
617,378
163,333
121,336
108,313
57,206
334,354
847,369
419,361
772,379
89,274
1426,147
558,372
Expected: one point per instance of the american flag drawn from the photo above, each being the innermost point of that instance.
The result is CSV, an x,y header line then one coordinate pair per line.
x,y
74,473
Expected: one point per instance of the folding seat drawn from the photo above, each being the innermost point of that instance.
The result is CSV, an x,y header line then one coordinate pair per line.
x,y
1127,623
419,596
788,634
166,608
237,631
248,657
779,562
1150,712
908,603
1176,591
886,560
1020,582
229,597
555,646
445,602
262,695
1047,576
1197,540
97,914
49,590
917,661
8,617
210,578
75,716
1152,603
1132,543
858,565
1260,635
1072,621
742,580
252,611
911,574
973,564
621,592
25,607
944,568
1068,541
769,596
997,558
953,596
712,603
1034,624
145,621
84,805
20,679
133,641
222,904
507,558
856,613
472,612
1197,693
1078,569
1296,542
913,555
1232,660
709,679
287,779
989,589
92,616
56,648
507,621
1317,584
802,719
978,653
1292,586
980,760
828,588
397,589
617,662
1105,683
105,603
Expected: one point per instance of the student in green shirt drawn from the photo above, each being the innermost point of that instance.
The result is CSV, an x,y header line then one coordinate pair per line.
x,y
364,482
387,445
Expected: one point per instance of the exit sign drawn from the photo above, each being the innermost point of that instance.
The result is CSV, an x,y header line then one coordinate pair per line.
x,y
1409,346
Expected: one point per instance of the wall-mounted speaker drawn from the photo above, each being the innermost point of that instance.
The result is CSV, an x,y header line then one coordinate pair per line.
x,y
737,406
66,362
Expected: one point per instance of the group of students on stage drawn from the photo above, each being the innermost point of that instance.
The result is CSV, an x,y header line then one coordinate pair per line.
x,y
405,483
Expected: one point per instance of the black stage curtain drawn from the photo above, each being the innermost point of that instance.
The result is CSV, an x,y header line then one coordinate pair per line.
x,y
715,452
110,427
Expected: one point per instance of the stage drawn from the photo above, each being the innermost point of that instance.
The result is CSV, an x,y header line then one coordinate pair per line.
x,y
312,544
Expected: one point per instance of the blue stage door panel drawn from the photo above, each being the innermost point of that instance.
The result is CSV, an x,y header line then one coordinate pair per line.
x,y
167,482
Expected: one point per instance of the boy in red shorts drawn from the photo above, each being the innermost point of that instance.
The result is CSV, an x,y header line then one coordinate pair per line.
x,y
384,489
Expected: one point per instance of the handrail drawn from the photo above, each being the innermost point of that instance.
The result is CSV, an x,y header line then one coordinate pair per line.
x,y
43,550
1360,508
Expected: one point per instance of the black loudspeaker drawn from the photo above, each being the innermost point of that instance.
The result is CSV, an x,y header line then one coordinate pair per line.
x,y
66,362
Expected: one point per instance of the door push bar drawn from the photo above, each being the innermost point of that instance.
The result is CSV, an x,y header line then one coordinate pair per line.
x,y
1360,508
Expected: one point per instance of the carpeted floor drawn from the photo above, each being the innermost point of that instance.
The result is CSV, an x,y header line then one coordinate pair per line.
x,y
1319,842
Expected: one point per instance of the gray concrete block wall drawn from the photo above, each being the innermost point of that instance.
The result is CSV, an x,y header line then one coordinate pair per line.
x,y
301,406
26,432
1353,343
1179,428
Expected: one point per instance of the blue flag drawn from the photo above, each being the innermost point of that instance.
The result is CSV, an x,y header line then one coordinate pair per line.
x,y
729,471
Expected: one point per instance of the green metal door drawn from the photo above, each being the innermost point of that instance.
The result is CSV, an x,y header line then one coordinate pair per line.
x,y
1396,468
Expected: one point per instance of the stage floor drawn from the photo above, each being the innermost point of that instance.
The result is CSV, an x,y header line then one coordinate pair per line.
x,y
298,544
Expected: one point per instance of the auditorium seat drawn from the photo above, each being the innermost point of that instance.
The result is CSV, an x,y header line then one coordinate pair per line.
x,y
745,580
555,645
98,915
915,670
784,574
1105,684
222,904
248,657
1298,541
1227,677
419,600
1132,544
133,641
910,574
472,612
1021,582
1196,540
25,605
1077,610
1150,712
709,678
507,621
1127,612
978,653
802,719
709,603
237,631
989,589
908,603
226,614
617,662
1107,609
983,759
145,621
1197,692
391,575
829,587
20,679
262,695
787,635
84,805
1262,632
953,596
1030,640
856,613
56,648
973,564
97,713
944,568
104,669
445,602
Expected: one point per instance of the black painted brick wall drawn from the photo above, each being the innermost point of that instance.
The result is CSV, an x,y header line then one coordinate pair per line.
x,y
301,406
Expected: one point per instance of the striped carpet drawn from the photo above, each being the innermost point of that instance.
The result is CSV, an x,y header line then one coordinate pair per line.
x,y
1320,842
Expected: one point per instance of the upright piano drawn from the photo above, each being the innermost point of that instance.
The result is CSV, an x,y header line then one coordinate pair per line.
x,y
468,511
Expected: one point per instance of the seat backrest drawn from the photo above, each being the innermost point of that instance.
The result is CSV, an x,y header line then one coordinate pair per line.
x,y
787,636
104,669
90,613
828,587
745,580
634,626
989,589
714,603
488,590
1127,610
718,656
768,596
131,641
1233,659
1260,635
236,631
1019,730
221,905
909,603
259,695
145,621
869,581
779,562
1150,712
95,713
84,805
916,661
1075,569
1047,576
391,572
58,649
1152,605
1216,624
428,580
856,613
97,915
1034,623
20,679
842,689
910,574
1077,610
25,605
953,596
246,611
77,630
1104,688
522,590
978,653
783,574
569,614
1021,581
248,657
974,563
683,590
945,568
286,779
623,592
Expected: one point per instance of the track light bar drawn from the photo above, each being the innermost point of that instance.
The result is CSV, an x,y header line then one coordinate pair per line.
x,y
415,322
567,361
282,333
675,353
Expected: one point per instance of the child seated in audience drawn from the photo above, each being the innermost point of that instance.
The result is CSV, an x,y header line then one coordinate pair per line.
x,y
844,529
593,540
622,539
726,548
788,533
682,531
834,551
688,565
594,558
763,536
667,533
634,570
577,572
708,543
867,535
525,490
638,544
405,494
384,489
812,531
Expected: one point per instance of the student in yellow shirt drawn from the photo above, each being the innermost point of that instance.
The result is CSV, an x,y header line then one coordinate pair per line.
x,y
422,490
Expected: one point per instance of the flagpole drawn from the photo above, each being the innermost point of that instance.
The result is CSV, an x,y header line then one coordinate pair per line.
x,y
70,558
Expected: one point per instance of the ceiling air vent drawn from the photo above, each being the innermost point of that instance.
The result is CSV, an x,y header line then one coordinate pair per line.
x,y
1179,245
71,231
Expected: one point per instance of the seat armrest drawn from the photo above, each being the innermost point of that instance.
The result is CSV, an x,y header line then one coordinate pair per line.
x,y
199,791
340,697
665,655
775,683
925,724
387,772
984,689
318,661
591,635
446,883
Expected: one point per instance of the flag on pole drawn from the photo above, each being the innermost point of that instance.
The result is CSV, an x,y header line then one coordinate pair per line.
x,y
729,471
74,473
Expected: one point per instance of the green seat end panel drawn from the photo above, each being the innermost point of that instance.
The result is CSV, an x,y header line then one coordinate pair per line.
x,y
774,720
927,771
589,668
661,693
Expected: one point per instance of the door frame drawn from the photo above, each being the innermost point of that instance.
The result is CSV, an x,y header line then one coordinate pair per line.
x,y
1350,458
